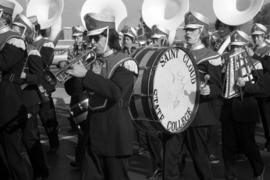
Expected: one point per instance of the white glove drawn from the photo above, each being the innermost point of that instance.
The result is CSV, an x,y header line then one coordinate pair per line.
x,y
19,43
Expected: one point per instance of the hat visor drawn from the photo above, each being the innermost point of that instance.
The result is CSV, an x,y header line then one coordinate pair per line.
x,y
96,31
192,26
77,34
157,36
238,43
128,34
257,33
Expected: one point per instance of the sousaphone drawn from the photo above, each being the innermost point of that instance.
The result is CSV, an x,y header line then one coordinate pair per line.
x,y
168,14
238,64
235,12
49,14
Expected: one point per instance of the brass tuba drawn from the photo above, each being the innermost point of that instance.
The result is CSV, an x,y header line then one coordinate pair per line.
x,y
171,16
230,11
49,15
236,64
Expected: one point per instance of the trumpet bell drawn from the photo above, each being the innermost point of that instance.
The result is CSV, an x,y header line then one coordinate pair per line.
x,y
47,11
227,11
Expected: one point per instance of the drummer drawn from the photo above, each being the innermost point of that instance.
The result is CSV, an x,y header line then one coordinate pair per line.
x,y
196,136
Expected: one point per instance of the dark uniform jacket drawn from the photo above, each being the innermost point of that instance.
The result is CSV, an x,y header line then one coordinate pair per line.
x,y
12,60
73,86
47,56
208,62
261,88
31,93
110,128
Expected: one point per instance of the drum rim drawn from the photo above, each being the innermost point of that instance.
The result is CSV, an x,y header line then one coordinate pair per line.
x,y
197,100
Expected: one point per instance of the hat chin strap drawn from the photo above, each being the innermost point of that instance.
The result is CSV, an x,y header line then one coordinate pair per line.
x,y
106,44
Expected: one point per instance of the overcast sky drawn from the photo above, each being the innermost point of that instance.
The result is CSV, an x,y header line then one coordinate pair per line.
x,y
71,14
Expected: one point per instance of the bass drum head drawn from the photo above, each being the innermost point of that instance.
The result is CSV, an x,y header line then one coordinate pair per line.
x,y
176,89
172,90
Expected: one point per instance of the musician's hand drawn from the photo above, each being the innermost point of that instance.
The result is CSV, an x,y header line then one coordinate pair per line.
x,y
240,82
77,70
205,90
249,51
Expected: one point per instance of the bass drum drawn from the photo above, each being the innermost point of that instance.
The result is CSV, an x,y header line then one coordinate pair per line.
x,y
166,93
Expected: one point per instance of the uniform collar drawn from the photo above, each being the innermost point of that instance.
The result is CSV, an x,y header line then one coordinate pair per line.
x,y
200,46
108,53
39,37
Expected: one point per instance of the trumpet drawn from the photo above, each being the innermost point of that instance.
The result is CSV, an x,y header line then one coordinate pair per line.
x,y
85,58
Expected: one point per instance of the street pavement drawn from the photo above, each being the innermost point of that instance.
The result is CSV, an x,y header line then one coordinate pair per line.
x,y
140,165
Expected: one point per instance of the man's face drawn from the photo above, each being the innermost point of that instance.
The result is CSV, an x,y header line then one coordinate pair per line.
x,y
192,36
127,41
78,39
258,39
224,30
100,42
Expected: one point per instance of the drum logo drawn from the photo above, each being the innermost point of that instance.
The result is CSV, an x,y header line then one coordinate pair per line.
x,y
175,88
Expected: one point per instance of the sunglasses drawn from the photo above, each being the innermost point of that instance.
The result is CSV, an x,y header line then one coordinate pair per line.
x,y
95,38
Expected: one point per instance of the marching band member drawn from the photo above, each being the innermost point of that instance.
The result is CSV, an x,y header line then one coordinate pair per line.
x,y
13,113
47,112
196,136
240,111
110,82
74,88
154,141
32,92
160,36
262,49
129,43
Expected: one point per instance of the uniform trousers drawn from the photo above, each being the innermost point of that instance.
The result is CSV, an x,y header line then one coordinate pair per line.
x,y
237,135
264,106
14,156
82,141
99,167
155,148
31,139
48,118
195,139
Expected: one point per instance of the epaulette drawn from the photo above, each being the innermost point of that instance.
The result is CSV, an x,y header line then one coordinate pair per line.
x,y
131,65
49,44
213,60
34,52
19,43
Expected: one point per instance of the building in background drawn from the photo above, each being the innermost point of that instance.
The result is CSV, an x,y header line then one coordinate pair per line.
x,y
62,46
